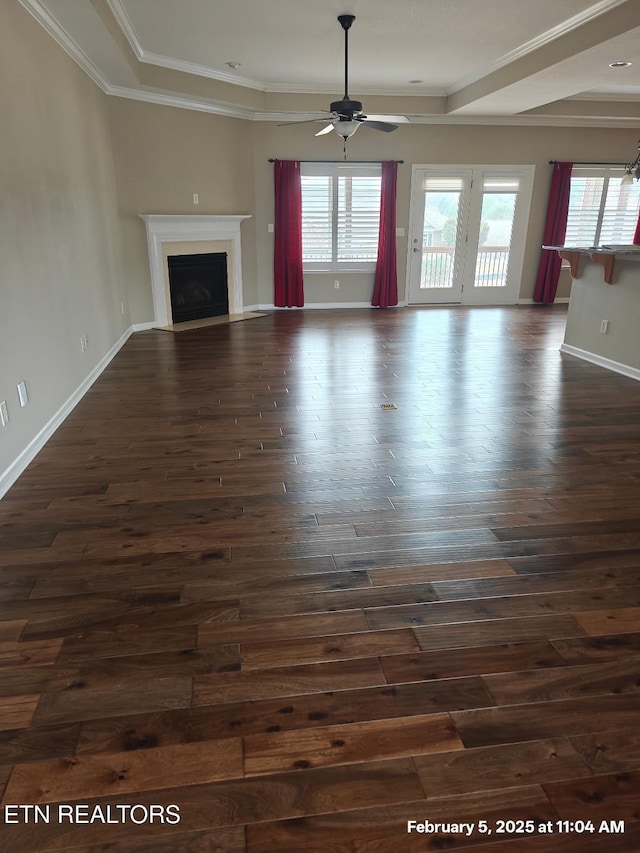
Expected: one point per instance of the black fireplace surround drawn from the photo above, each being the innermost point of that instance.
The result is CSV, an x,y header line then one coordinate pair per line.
x,y
198,286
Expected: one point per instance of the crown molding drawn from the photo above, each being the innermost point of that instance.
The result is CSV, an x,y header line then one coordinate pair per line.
x,y
126,25
303,88
543,39
201,71
497,120
235,111
183,102
231,110
62,37
531,121
620,97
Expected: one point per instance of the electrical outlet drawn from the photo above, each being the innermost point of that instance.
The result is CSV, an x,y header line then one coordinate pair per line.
x,y
82,344
336,284
196,198
604,327
4,413
23,397
270,228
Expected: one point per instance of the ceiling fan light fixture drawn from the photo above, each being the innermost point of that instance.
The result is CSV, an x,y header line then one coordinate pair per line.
x,y
632,170
346,128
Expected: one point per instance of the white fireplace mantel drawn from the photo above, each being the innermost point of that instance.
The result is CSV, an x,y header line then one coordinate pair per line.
x,y
166,229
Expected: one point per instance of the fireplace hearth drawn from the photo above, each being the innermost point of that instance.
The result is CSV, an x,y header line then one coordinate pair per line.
x,y
198,286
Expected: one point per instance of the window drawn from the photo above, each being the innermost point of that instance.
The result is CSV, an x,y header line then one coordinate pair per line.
x,y
602,210
340,216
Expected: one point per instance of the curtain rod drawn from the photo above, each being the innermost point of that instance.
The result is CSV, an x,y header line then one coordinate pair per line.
x,y
275,160
589,163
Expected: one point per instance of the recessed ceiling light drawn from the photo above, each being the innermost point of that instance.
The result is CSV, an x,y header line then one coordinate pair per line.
x,y
233,64
416,81
621,63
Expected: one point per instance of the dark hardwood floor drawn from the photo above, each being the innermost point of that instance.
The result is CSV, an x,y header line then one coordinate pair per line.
x,y
233,582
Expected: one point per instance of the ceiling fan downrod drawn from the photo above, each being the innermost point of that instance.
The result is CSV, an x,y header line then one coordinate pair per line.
x,y
346,108
345,23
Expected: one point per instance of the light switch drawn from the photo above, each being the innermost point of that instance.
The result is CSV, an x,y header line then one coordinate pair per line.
x,y
23,397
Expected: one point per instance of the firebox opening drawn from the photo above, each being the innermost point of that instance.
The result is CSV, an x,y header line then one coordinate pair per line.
x,y
198,286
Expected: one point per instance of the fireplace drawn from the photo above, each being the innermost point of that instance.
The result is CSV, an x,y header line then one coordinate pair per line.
x,y
173,235
198,286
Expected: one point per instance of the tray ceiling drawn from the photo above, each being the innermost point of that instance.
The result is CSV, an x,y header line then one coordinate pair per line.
x,y
504,61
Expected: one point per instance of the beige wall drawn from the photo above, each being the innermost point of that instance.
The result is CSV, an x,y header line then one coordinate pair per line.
x,y
593,301
59,234
164,155
427,144
78,167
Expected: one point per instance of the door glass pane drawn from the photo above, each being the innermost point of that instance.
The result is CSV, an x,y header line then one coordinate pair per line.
x,y
442,211
496,225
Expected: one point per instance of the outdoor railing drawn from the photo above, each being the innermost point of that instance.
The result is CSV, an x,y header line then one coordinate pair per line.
x,y
437,266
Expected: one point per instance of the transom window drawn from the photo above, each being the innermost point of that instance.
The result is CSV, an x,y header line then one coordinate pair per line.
x,y
602,210
340,216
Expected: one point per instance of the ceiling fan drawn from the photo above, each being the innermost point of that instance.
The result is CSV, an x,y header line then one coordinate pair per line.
x,y
348,115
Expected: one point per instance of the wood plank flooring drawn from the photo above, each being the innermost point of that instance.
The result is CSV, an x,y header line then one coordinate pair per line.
x,y
233,584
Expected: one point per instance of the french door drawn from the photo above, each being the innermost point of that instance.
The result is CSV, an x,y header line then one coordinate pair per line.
x,y
467,233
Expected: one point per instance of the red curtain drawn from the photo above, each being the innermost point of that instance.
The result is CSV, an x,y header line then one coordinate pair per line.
x,y
288,289
636,236
554,232
385,288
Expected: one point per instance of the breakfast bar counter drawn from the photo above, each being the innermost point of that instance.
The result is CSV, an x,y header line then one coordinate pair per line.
x,y
603,321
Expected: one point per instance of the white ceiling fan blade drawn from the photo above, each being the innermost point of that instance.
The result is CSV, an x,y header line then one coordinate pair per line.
x,y
388,118
324,130
304,121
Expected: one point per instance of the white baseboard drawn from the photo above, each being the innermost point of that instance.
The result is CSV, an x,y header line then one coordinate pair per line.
x,y
143,327
320,306
561,300
19,465
601,361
